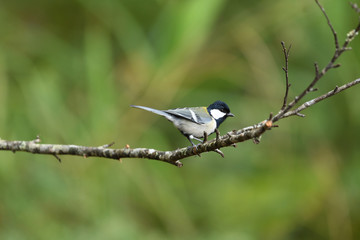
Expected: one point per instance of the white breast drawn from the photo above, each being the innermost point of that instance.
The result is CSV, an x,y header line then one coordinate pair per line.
x,y
197,130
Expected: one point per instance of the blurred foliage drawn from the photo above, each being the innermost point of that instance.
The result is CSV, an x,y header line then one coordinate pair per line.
x,y
70,69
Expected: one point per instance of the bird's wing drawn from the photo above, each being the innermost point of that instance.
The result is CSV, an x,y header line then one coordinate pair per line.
x,y
197,115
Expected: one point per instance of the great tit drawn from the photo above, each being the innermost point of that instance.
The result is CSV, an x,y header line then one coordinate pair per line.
x,y
194,121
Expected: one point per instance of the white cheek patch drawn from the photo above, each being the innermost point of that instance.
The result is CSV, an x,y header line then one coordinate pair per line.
x,y
217,113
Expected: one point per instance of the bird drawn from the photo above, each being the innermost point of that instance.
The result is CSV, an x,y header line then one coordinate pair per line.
x,y
194,122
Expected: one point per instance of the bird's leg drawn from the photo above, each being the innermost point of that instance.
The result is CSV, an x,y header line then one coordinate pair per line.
x,y
193,145
205,137
191,142
189,137
198,139
217,134
217,140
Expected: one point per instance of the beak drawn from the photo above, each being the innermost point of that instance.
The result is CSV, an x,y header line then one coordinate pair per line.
x,y
230,115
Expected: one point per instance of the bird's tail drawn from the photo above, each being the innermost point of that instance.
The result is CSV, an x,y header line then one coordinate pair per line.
x,y
159,112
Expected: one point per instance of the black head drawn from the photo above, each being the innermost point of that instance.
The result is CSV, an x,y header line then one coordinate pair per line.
x,y
220,111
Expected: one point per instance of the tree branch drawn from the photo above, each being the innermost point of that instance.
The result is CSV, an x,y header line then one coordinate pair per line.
x,y
171,157
331,93
319,74
230,139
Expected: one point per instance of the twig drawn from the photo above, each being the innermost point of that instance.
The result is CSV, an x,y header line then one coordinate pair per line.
x,y
219,152
57,157
330,25
286,70
355,7
316,69
322,97
107,145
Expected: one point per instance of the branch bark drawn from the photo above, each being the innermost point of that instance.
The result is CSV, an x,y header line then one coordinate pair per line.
x,y
171,157
230,139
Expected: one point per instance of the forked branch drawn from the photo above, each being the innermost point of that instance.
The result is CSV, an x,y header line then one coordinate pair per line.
x,y
318,73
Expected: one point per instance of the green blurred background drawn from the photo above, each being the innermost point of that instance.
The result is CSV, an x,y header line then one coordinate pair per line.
x,y
70,69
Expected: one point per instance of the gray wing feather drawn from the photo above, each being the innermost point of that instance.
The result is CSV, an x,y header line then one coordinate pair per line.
x,y
196,115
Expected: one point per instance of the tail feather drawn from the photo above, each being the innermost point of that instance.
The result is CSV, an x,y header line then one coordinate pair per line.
x,y
158,112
